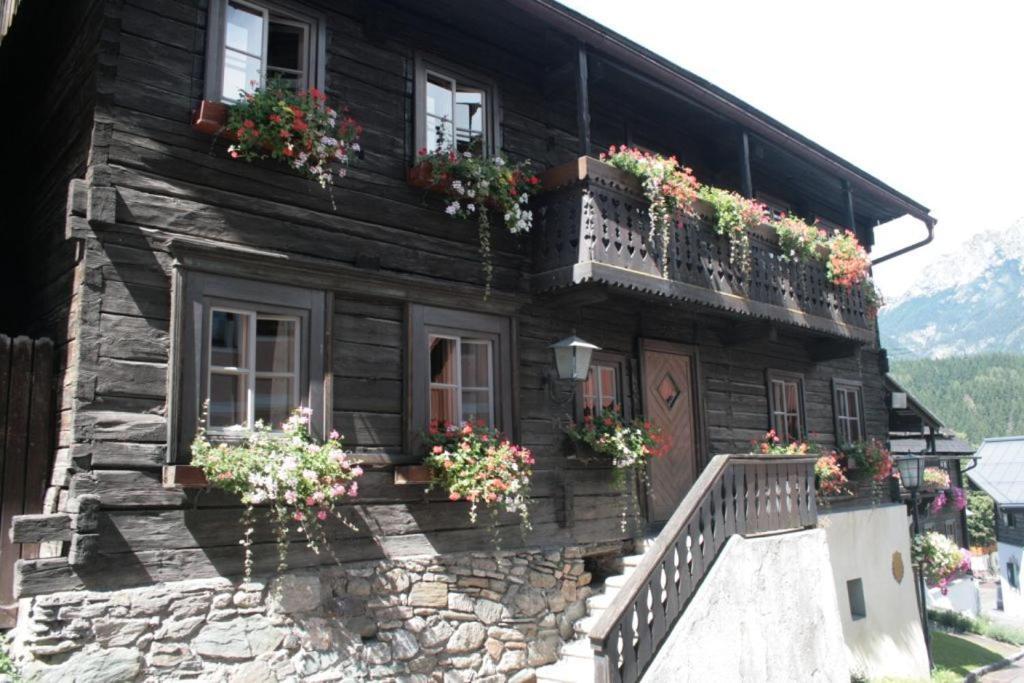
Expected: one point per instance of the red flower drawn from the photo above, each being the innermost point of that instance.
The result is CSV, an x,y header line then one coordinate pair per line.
x,y
249,123
299,126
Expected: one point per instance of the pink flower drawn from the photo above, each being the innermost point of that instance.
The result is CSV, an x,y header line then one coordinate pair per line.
x,y
321,515
290,497
298,516
333,436
453,496
310,500
353,489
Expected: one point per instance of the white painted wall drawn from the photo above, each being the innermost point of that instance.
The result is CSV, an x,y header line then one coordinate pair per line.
x,y
887,641
961,596
766,611
1013,600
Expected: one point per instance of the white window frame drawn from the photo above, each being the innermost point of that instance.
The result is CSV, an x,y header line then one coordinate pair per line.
x,y
278,11
431,66
846,422
250,371
786,410
458,386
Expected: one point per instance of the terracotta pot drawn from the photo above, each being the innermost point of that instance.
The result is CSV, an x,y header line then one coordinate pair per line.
x,y
421,176
212,118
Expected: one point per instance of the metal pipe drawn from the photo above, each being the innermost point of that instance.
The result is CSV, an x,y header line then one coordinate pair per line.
x,y
916,245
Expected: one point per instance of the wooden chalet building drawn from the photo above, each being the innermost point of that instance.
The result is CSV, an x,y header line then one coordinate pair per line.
x,y
133,240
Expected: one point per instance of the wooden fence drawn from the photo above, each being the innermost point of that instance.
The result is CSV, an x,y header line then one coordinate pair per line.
x,y
733,495
26,436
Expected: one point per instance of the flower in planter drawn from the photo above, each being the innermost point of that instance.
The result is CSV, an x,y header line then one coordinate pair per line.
x,y
939,559
296,128
669,188
734,216
848,263
772,444
629,446
798,239
298,479
873,300
956,498
475,463
935,478
477,187
870,458
832,480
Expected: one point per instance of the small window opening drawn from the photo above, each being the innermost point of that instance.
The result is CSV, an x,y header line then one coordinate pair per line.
x,y
855,591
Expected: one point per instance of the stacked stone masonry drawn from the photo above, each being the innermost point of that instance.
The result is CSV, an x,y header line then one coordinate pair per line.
x,y
486,617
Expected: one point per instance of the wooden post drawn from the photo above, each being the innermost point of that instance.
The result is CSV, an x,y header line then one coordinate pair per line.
x,y
746,179
848,204
583,100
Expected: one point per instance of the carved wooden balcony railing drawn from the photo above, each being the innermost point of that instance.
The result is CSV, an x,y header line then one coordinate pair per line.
x,y
591,225
735,494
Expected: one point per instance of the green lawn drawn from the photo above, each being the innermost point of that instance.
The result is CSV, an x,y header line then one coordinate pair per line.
x,y
960,656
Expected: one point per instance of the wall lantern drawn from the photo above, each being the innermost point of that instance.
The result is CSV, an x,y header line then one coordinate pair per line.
x,y
572,358
910,471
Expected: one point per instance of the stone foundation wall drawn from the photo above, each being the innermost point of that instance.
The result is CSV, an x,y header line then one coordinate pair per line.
x,y
489,617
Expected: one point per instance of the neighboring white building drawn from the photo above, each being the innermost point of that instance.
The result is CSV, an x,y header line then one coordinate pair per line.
x,y
1000,474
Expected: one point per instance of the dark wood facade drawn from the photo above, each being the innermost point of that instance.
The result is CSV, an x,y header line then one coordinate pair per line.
x,y
131,201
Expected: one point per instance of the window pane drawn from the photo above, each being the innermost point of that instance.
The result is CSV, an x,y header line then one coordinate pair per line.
x,y
228,339
442,360
244,29
792,400
443,405
285,47
779,424
275,345
841,403
792,427
469,119
273,400
240,73
589,392
439,97
227,401
778,397
476,405
609,391
853,405
475,364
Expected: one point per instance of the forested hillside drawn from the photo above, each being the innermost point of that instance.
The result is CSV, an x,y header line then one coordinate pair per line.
x,y
979,396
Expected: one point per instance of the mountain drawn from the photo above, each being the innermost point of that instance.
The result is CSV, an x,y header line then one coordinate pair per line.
x,y
978,396
967,302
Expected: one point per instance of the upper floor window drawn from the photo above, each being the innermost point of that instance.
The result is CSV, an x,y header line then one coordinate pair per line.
x,y
786,405
603,387
454,110
847,400
460,369
248,351
251,43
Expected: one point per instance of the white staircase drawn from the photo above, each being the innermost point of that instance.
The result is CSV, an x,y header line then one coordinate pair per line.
x,y
576,663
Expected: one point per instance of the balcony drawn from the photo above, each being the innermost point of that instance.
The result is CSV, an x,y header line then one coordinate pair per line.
x,y
591,226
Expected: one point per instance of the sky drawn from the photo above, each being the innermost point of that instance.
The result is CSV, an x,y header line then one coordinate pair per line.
x,y
926,96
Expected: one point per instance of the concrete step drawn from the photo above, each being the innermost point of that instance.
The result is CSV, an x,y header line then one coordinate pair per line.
x,y
583,626
601,601
571,670
632,560
578,649
619,580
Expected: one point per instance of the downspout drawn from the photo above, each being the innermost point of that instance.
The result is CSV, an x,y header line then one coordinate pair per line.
x,y
930,224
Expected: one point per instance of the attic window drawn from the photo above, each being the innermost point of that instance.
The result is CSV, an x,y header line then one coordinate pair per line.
x,y
250,44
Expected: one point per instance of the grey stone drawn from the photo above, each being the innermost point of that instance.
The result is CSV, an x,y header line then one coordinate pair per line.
x,y
530,602
246,599
179,629
494,648
512,660
119,632
358,586
423,664
541,580
92,666
252,672
377,653
403,645
556,603
436,633
293,593
238,639
467,637
542,652
490,612
458,676
504,634
524,676
460,602
396,580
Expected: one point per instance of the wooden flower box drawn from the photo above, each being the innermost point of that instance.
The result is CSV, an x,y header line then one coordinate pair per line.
x,y
184,476
211,118
412,474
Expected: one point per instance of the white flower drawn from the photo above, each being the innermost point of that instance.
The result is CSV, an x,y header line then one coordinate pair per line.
x,y
452,209
471,207
356,147
457,186
498,161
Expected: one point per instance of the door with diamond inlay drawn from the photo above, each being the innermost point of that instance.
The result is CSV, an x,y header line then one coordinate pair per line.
x,y
668,372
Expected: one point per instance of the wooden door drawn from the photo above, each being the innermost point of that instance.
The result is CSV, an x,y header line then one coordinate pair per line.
x,y
669,394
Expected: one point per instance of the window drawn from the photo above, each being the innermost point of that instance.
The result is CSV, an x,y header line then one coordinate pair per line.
x,y
1009,519
454,110
847,400
855,592
247,351
461,379
460,369
603,387
251,43
786,405
1011,575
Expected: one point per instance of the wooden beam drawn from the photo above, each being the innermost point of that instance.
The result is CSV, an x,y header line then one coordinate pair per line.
x,y
848,205
831,349
741,333
582,100
746,179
